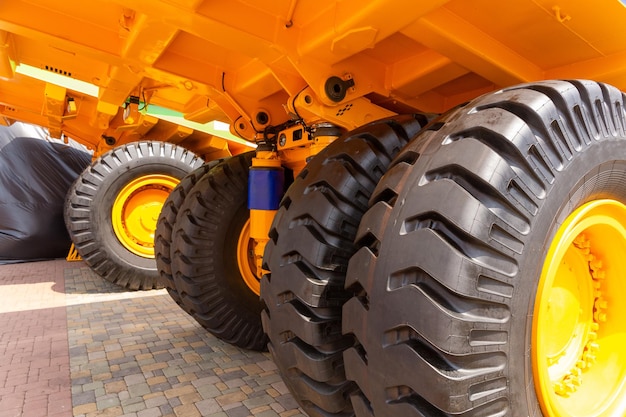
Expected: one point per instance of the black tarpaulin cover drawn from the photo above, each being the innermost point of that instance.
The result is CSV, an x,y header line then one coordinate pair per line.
x,y
35,176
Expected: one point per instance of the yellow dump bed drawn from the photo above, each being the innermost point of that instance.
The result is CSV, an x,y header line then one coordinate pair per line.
x,y
254,63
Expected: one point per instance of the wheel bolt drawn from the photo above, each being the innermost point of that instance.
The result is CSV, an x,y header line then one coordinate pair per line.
x,y
575,381
589,359
559,389
595,265
598,275
581,242
601,303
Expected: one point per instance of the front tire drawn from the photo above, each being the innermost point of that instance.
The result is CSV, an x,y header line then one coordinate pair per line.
x,y
479,290
112,208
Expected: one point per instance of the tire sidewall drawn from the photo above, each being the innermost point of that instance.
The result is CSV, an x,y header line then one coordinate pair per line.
x,y
238,292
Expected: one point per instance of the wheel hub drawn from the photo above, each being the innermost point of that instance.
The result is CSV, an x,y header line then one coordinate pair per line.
x,y
579,361
577,298
136,211
246,259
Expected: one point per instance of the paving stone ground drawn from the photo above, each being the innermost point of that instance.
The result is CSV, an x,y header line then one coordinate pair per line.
x,y
72,344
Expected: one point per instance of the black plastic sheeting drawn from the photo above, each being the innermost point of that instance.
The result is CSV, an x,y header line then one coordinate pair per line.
x,y
35,176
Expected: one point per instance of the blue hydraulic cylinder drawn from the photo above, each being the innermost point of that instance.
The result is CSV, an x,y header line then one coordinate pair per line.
x,y
265,188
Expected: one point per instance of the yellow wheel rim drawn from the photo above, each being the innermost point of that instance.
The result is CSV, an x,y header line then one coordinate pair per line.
x,y
136,210
579,323
246,259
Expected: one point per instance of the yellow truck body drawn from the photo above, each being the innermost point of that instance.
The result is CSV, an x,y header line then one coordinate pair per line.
x,y
231,61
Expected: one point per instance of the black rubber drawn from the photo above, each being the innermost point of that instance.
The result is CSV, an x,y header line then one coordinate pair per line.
x,y
204,255
311,241
165,225
454,242
90,200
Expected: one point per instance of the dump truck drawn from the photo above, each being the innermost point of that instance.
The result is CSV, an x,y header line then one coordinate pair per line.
x,y
430,219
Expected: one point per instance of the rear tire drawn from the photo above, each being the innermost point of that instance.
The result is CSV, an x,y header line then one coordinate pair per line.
x,y
165,225
311,241
111,209
205,268
455,313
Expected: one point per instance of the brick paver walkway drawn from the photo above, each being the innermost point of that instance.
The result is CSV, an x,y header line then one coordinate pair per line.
x,y
72,344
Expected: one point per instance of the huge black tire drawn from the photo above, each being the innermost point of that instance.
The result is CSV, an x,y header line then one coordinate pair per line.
x,y
311,241
208,277
165,225
479,291
100,203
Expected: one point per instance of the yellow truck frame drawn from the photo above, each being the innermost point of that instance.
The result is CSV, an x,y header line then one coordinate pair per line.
x,y
428,197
